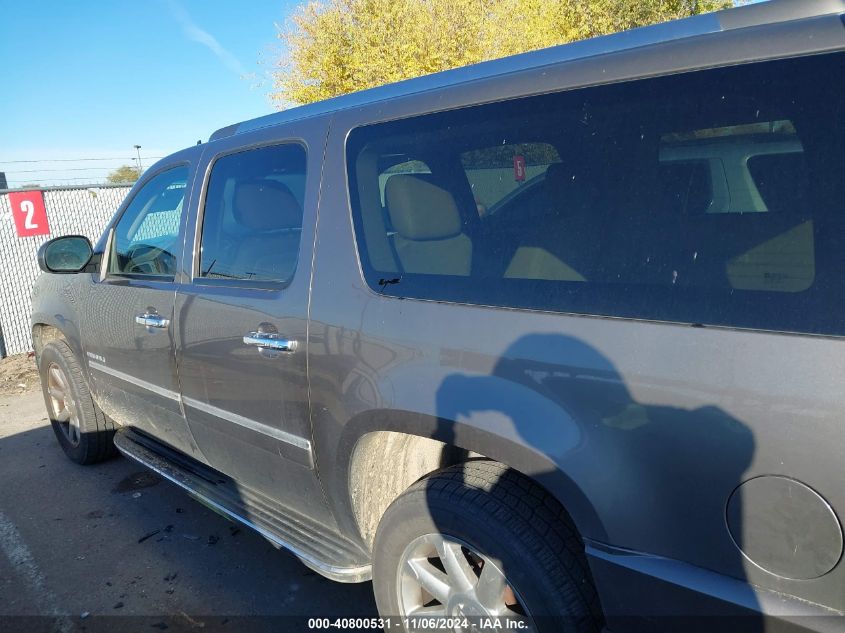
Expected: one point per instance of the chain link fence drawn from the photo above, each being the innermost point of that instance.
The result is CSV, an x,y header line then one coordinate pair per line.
x,y
70,210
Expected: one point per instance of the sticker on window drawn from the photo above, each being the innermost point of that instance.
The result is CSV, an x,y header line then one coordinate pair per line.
x,y
519,168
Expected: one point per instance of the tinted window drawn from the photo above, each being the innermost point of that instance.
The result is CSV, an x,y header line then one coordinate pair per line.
x,y
687,186
404,167
726,157
711,197
781,179
253,215
496,172
146,239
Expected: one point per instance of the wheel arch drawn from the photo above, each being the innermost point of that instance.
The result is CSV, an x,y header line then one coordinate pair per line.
x,y
46,330
383,452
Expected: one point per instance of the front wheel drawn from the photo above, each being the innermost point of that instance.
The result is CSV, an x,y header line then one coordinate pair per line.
x,y
84,432
477,544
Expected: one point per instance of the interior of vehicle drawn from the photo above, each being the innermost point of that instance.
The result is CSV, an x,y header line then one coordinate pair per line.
x,y
146,239
604,213
252,219
631,199
711,193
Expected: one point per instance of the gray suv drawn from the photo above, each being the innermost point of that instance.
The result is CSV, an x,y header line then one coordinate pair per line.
x,y
552,339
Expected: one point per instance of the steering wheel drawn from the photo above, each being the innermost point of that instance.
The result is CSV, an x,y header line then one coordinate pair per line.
x,y
148,260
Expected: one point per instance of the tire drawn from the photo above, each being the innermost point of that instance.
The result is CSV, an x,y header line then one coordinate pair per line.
x,y
491,513
84,432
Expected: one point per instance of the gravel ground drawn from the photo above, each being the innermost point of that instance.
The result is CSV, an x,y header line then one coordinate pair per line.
x,y
18,374
112,547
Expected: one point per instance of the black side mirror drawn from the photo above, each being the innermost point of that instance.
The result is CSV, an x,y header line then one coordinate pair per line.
x,y
66,254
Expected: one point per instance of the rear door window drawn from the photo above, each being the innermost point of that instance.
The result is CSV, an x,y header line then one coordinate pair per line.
x,y
252,218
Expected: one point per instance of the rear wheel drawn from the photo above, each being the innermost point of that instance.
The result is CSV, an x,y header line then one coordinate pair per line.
x,y
84,432
479,540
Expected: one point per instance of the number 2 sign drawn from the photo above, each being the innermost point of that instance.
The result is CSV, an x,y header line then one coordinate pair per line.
x,y
29,213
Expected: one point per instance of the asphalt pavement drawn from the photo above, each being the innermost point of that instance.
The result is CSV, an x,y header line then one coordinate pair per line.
x,y
112,547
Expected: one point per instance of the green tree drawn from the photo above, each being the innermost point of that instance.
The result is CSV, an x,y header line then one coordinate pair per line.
x,y
340,46
125,174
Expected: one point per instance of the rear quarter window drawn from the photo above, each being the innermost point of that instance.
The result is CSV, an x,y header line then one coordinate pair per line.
x,y
685,198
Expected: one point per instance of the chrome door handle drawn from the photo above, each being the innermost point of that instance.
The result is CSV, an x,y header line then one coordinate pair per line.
x,y
152,320
268,340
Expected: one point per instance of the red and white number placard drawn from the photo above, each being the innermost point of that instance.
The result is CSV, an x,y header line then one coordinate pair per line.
x,y
29,213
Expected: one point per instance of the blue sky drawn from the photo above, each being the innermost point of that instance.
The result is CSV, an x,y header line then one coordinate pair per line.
x,y
89,79
86,79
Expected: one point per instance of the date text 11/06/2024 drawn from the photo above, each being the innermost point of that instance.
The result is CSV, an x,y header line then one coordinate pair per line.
x,y
458,623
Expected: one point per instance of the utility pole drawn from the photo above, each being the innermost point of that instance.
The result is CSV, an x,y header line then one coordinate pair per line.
x,y
138,150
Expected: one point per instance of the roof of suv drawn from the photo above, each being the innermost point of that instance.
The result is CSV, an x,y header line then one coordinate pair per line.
x,y
771,12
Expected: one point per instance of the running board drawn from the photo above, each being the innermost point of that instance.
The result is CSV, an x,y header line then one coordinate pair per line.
x,y
327,553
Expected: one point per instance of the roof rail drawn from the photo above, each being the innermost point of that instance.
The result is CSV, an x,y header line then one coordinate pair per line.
x,y
770,12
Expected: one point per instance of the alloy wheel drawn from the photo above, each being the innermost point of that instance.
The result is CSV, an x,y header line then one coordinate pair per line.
x,y
63,407
442,577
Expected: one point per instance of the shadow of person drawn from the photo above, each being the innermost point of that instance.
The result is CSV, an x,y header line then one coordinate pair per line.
x,y
645,484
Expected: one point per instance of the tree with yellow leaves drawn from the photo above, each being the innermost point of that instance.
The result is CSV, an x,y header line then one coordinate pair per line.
x,y
340,46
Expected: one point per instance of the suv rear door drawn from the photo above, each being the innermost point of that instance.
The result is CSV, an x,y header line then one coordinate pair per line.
x,y
243,316
127,330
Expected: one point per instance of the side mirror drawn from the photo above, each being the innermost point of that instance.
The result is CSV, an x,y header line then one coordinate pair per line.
x,y
66,254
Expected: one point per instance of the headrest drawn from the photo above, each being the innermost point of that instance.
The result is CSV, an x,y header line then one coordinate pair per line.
x,y
420,210
264,205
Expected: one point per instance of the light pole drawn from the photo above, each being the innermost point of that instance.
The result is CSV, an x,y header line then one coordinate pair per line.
x,y
138,150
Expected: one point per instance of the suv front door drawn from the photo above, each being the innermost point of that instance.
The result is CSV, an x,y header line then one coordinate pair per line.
x,y
243,318
127,331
